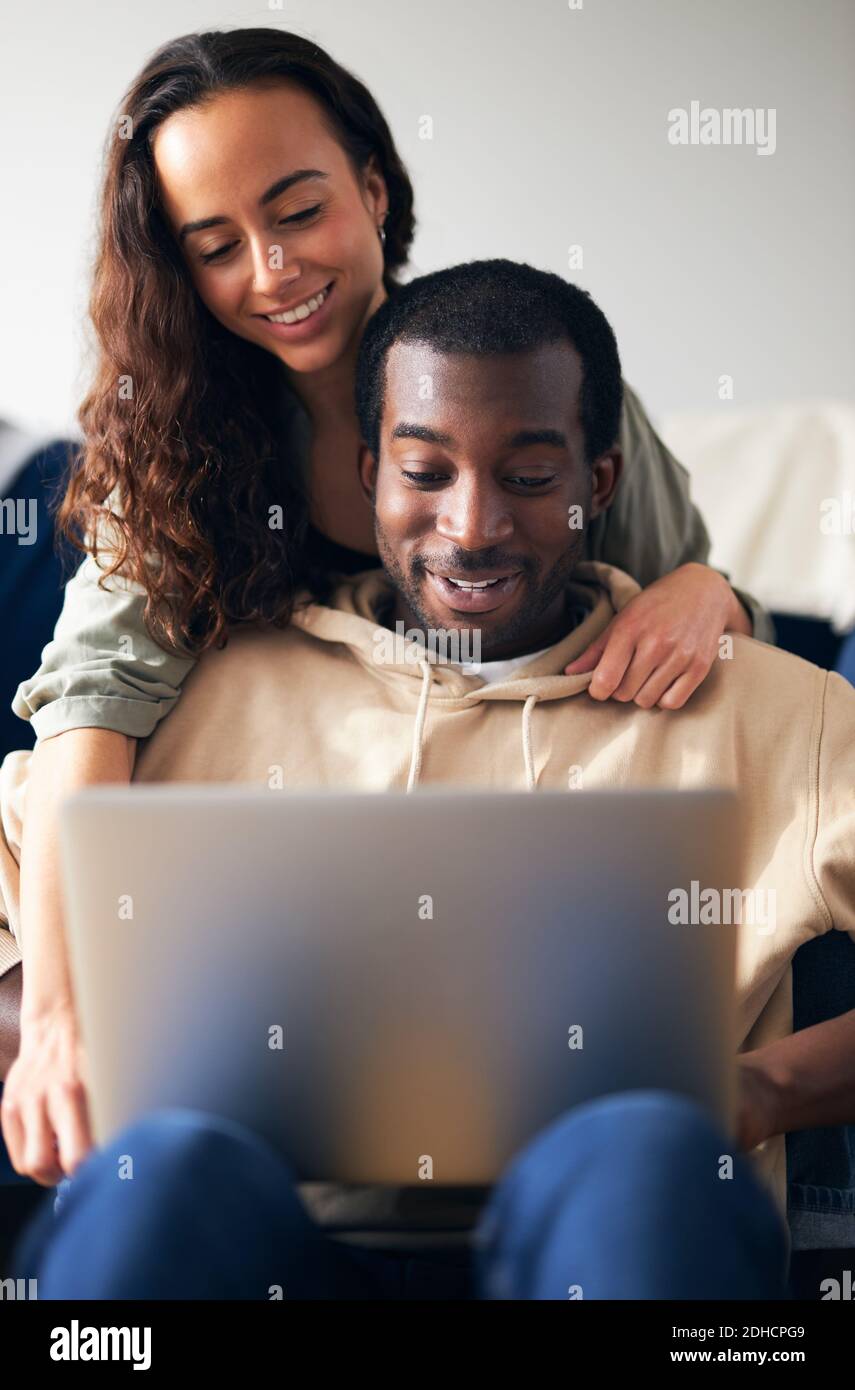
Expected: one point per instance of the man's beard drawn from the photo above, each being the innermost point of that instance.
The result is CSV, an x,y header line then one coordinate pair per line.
x,y
540,596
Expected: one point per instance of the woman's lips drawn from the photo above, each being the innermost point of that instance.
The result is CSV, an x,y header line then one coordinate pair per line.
x,y
473,600
304,328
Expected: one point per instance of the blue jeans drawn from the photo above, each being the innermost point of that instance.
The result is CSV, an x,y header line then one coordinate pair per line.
x,y
618,1198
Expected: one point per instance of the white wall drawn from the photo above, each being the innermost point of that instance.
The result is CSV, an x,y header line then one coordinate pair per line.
x,y
550,129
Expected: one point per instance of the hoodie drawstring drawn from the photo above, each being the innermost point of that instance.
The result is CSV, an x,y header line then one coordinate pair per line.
x,y
419,731
528,756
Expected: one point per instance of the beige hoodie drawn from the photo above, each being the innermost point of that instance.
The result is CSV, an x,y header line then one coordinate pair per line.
x,y
323,702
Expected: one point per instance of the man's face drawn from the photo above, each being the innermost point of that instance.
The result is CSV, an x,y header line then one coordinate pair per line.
x,y
482,480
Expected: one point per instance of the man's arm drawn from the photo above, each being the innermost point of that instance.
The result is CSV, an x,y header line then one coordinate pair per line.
x,y
807,1080
804,1081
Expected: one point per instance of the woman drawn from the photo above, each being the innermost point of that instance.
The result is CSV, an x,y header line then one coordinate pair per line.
x,y
255,214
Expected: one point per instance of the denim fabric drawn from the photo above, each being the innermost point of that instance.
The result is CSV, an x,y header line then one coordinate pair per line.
x,y
821,1162
586,1209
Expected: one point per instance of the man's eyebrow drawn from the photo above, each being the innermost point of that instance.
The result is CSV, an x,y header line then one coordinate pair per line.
x,y
405,430
520,440
523,438
280,186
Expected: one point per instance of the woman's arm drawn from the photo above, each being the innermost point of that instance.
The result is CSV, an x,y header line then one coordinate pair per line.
x,y
659,649
103,683
101,669
653,526
44,1113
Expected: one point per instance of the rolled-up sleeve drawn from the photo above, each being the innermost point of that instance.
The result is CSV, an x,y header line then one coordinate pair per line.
x,y
101,670
10,951
653,526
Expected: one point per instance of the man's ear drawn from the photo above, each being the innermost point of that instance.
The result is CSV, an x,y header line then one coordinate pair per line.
x,y
606,473
367,471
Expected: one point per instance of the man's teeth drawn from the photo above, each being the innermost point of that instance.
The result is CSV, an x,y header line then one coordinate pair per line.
x,y
469,584
301,311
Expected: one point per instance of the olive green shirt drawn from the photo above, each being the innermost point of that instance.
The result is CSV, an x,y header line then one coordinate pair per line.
x,y
102,670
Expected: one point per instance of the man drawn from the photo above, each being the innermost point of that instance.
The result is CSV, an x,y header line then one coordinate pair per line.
x,y
488,399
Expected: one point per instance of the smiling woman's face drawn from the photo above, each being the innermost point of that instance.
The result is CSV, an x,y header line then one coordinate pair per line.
x,y
274,241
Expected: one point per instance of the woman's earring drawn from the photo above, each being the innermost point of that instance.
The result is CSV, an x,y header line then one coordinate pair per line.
x,y
382,230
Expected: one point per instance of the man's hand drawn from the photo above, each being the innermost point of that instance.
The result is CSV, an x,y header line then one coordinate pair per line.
x,y
805,1080
659,649
757,1116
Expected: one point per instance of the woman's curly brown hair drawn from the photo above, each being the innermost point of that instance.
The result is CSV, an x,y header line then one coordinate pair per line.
x,y
182,456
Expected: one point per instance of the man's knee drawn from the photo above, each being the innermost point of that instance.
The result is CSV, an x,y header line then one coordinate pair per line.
x,y
652,1144
652,1119
656,1122
174,1142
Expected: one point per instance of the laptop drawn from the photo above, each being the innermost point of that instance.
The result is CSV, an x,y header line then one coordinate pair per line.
x,y
372,981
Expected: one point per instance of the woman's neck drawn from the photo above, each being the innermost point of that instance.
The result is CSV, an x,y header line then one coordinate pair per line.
x,y
328,394
337,504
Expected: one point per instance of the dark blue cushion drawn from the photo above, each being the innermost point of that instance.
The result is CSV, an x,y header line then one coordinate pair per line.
x,y
846,658
32,578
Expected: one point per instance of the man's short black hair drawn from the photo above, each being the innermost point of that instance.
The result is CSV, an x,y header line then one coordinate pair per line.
x,y
495,306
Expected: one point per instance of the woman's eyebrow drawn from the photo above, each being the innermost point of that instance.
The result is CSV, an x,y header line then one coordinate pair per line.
x,y
280,186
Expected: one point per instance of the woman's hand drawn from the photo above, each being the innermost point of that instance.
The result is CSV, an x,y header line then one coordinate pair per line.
x,y
659,649
44,1112
44,1115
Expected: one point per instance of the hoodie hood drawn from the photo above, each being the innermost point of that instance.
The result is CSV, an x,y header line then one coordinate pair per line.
x,y
351,619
